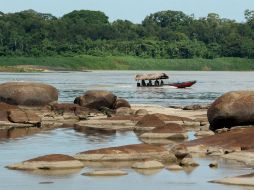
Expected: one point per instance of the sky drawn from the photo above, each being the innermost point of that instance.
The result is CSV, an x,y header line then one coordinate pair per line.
x,y
133,10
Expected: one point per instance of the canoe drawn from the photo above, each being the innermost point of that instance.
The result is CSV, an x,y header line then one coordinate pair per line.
x,y
182,84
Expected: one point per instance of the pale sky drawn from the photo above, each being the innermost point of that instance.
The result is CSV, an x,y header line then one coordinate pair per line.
x,y
133,10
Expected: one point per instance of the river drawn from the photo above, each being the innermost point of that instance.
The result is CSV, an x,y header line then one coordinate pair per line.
x,y
66,141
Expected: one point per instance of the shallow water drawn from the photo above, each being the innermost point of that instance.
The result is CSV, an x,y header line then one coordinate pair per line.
x,y
209,85
66,141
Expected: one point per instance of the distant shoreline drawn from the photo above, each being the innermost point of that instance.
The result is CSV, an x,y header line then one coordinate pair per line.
x,y
87,63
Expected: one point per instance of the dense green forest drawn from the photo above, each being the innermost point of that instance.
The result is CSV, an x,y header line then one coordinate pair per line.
x,y
162,35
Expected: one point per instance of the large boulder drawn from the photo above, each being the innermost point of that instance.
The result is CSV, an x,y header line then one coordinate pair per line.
x,y
120,103
96,99
232,109
27,93
21,116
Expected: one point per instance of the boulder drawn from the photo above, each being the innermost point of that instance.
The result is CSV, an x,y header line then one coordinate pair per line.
x,y
232,109
124,111
21,116
151,164
121,103
149,122
188,162
95,99
126,153
27,93
213,164
141,112
48,162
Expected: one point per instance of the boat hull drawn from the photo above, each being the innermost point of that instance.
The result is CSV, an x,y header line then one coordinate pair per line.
x,y
183,84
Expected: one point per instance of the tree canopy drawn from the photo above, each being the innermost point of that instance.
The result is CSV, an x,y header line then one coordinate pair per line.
x,y
165,34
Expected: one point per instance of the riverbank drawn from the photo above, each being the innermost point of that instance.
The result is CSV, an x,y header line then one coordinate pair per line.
x,y
87,62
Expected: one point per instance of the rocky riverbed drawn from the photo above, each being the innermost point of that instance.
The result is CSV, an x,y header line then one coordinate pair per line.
x,y
164,133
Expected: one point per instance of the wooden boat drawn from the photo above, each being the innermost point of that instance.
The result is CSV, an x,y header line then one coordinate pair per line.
x,y
183,84
153,81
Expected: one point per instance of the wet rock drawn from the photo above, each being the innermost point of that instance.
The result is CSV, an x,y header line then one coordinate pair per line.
x,y
174,167
149,122
48,162
27,93
213,164
241,138
121,103
141,112
247,157
105,173
21,116
243,180
232,109
124,111
188,162
95,99
151,164
168,131
125,153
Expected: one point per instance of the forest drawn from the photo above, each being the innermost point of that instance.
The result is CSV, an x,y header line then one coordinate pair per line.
x,y
161,35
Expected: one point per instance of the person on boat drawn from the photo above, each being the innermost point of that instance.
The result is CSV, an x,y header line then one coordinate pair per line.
x,y
150,83
143,83
162,82
156,83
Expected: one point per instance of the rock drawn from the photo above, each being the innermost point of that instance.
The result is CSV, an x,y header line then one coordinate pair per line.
x,y
27,93
124,111
151,164
192,107
214,164
95,99
203,133
247,157
243,180
149,122
232,109
188,162
241,139
168,131
141,112
174,167
126,153
48,162
105,173
21,116
121,103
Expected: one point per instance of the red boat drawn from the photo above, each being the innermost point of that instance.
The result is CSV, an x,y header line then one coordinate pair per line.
x,y
183,84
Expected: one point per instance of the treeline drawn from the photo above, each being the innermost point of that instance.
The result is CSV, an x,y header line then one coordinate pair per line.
x,y
165,34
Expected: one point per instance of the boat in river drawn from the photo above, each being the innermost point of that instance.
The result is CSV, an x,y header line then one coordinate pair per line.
x,y
157,80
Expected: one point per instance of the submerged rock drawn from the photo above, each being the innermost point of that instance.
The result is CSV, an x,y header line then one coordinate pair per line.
x,y
27,93
48,162
127,152
232,109
151,164
174,167
105,173
243,180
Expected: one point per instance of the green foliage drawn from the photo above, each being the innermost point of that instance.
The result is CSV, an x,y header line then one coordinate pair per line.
x,y
162,35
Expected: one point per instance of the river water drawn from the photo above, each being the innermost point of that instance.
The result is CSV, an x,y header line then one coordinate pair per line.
x,y
66,141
